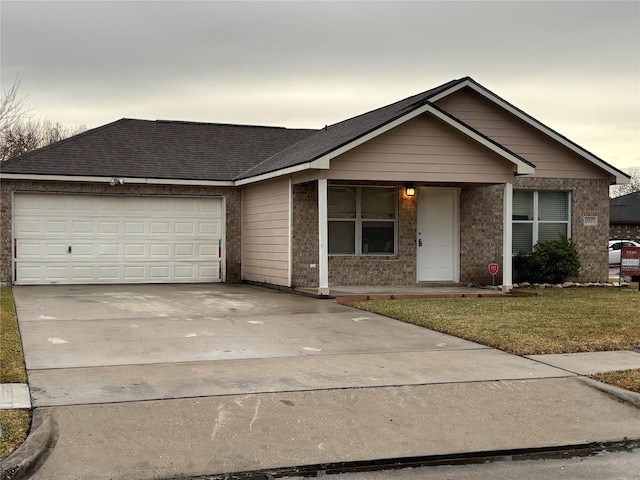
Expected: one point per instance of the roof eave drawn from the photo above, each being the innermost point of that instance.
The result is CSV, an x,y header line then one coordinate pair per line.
x,y
319,164
125,180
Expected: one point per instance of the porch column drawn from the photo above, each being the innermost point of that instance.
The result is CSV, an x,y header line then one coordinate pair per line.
x,y
507,239
323,239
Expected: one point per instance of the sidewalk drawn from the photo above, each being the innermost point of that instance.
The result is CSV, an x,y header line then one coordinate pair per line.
x,y
244,433
14,395
190,437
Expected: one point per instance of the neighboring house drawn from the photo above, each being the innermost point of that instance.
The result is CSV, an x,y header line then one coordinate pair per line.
x,y
430,189
625,217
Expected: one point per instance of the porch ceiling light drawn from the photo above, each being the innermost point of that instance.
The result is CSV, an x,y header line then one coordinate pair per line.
x,y
410,191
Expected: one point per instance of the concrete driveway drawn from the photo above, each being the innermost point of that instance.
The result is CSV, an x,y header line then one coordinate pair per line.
x,y
123,343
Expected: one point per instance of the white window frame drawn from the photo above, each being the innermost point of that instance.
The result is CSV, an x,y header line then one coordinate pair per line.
x,y
535,221
358,220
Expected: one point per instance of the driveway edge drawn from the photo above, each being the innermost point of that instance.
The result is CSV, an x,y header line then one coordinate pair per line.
x,y
28,457
619,393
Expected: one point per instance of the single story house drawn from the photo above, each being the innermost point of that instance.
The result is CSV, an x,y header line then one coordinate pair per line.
x,y
624,219
430,189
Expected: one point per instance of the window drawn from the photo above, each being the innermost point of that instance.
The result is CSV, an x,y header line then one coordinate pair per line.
x,y
362,220
539,216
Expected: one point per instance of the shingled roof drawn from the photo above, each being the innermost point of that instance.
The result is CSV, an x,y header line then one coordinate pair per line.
x,y
335,136
625,209
238,153
158,149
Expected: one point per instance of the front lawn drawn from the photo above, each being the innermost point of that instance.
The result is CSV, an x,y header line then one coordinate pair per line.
x,y
555,321
15,423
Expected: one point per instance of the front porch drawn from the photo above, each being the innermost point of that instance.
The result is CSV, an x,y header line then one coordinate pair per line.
x,y
343,294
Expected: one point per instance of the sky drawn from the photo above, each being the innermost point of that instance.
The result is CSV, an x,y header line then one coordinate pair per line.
x,y
573,65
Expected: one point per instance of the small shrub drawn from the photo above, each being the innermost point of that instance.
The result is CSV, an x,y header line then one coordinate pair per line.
x,y
551,261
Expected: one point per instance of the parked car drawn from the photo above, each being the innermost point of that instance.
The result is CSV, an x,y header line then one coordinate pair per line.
x,y
615,246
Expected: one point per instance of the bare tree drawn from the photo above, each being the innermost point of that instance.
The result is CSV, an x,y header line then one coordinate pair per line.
x,y
27,135
19,133
632,186
12,109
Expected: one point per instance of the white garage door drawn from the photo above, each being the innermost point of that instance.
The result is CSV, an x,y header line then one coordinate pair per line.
x,y
62,238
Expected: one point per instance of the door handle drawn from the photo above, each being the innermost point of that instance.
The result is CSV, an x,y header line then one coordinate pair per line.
x,y
419,242
69,249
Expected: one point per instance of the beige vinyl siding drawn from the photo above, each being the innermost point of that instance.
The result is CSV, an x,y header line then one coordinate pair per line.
x,y
551,159
265,232
422,149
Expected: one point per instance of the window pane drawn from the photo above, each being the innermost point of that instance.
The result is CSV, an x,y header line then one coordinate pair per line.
x,y
378,202
342,238
551,231
522,237
522,205
341,202
552,206
378,238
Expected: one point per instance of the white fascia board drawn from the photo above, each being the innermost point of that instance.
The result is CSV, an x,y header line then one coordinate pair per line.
x,y
275,174
126,180
621,177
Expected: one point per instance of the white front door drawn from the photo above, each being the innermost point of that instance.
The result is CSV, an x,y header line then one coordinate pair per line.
x,y
438,235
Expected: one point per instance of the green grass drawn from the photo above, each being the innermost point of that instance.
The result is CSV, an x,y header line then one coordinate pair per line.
x,y
11,357
627,379
15,427
555,321
15,423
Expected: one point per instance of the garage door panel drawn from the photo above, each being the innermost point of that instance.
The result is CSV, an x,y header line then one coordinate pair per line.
x,y
116,239
209,228
106,227
53,227
159,250
160,228
80,227
207,271
160,272
184,228
109,250
134,228
82,273
108,274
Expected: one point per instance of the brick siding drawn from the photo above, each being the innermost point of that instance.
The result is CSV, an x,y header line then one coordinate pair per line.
x,y
305,236
480,230
589,198
624,232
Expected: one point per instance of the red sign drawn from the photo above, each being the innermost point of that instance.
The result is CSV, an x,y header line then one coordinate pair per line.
x,y
493,268
630,261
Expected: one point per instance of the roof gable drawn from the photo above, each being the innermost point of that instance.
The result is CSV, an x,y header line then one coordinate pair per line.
x,y
316,150
468,82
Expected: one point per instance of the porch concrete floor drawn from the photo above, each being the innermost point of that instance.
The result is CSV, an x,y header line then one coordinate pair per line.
x,y
417,291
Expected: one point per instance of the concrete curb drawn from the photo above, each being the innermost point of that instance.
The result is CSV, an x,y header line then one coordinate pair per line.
x,y
514,455
31,454
619,393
